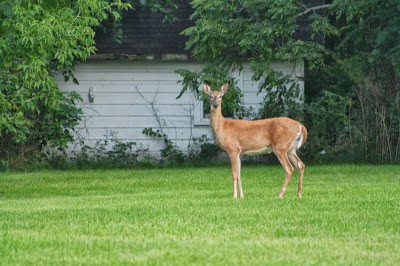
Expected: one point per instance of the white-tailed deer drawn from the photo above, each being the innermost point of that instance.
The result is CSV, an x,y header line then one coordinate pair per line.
x,y
281,135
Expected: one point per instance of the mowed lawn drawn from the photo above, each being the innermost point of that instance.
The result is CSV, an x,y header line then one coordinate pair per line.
x,y
349,215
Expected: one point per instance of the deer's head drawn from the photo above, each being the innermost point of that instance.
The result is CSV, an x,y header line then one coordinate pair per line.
x,y
215,96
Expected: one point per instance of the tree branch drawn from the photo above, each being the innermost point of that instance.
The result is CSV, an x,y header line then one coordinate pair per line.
x,y
154,110
313,9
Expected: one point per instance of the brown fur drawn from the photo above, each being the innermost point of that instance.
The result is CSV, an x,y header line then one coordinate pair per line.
x,y
280,135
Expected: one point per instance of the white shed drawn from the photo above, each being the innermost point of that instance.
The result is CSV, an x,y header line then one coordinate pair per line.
x,y
126,96
132,85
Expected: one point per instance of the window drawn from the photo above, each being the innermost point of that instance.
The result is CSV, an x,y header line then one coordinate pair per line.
x,y
201,116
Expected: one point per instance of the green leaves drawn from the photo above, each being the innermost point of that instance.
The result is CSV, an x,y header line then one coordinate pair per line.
x,y
230,33
43,38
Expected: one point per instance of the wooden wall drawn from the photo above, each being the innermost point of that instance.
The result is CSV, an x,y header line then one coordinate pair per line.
x,y
127,94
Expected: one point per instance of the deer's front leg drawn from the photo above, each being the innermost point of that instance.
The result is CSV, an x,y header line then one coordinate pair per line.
x,y
241,195
236,181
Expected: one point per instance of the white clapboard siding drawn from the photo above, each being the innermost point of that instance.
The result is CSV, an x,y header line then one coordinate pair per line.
x,y
135,98
122,86
137,122
121,110
129,96
135,134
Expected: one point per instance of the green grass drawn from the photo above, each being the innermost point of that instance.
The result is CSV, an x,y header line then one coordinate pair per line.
x,y
349,215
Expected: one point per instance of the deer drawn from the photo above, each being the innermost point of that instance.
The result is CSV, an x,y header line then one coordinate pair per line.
x,y
281,135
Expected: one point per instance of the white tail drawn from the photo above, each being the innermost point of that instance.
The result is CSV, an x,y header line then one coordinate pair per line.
x,y
281,135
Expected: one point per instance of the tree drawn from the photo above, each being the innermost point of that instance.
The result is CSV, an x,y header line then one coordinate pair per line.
x,y
359,43
368,52
38,39
228,34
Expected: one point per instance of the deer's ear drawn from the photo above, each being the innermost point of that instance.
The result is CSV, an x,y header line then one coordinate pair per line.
x,y
224,88
206,89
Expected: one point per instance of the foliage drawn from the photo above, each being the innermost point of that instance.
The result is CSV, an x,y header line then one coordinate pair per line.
x,y
372,30
376,118
170,152
192,81
112,152
233,33
328,125
350,103
40,38
108,153
364,66
284,96
349,215
208,149
165,7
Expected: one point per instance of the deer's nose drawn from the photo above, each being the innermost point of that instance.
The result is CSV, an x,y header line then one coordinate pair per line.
x,y
215,104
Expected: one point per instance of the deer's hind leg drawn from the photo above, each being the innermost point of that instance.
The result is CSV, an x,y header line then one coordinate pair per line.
x,y
294,158
282,155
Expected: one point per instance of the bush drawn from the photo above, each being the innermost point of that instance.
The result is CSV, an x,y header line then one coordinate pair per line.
x,y
39,39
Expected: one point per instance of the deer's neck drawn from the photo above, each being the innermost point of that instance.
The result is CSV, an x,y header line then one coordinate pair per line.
x,y
217,120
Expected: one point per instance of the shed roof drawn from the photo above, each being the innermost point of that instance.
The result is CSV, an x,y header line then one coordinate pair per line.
x,y
145,32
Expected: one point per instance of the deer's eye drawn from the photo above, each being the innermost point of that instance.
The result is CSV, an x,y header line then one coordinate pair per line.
x,y
210,96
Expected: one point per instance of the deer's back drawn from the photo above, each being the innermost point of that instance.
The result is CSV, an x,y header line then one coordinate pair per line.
x,y
253,135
